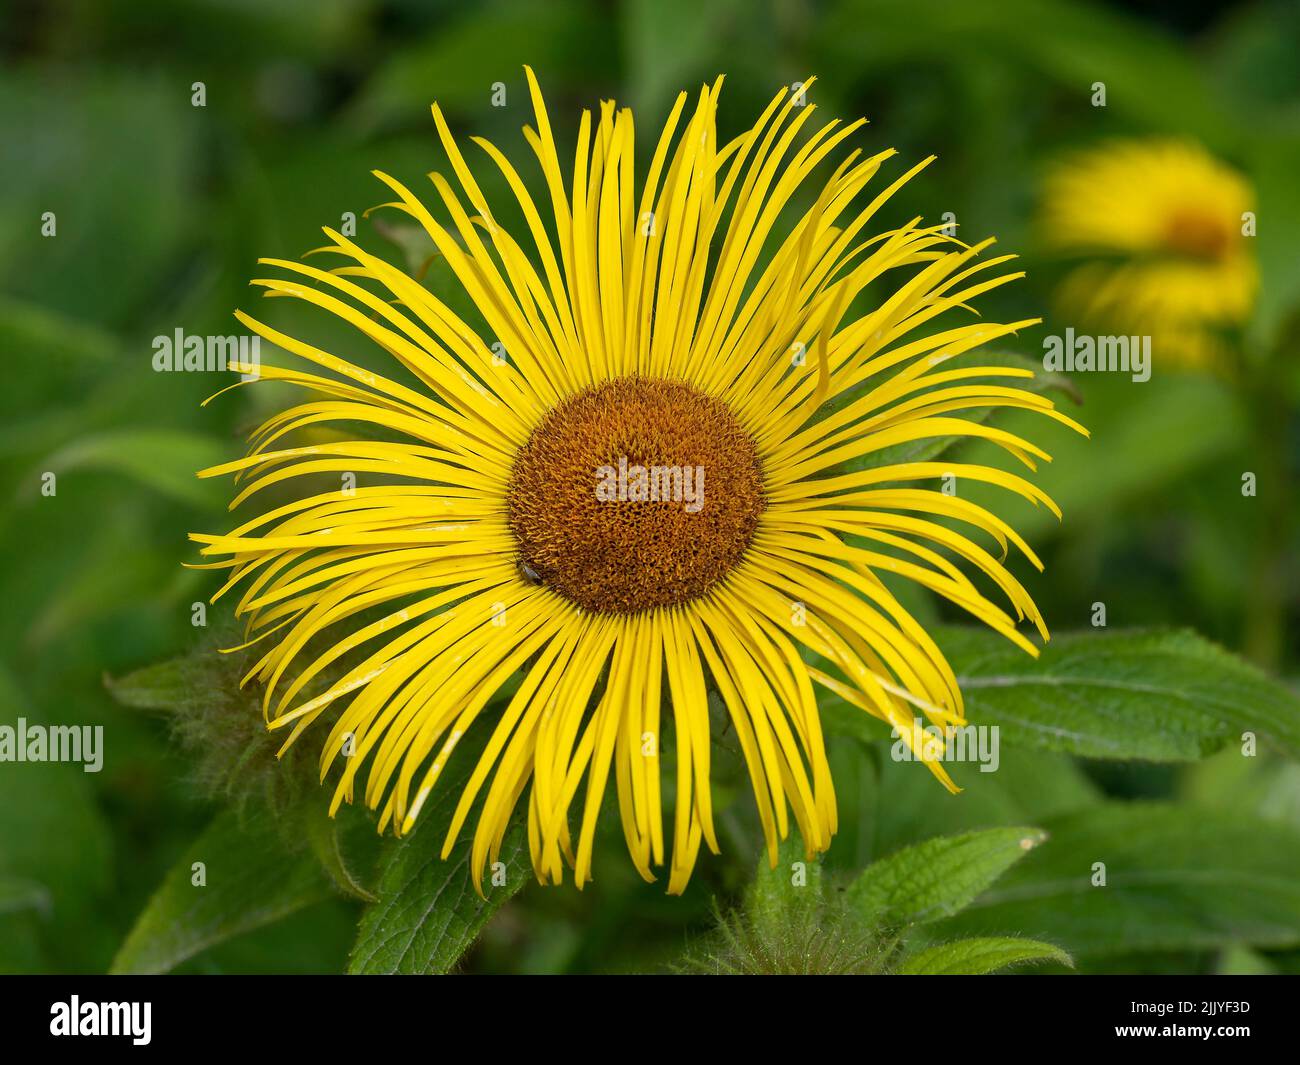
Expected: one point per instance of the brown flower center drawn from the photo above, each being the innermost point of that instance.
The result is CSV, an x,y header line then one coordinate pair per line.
x,y
635,494
1197,233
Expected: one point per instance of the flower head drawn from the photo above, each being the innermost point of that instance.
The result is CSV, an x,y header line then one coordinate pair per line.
x,y
1163,228
668,494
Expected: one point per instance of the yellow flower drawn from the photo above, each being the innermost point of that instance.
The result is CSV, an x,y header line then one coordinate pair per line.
x,y
1165,227
501,543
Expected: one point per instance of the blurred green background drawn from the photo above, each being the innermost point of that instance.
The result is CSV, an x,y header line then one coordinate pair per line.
x,y
162,208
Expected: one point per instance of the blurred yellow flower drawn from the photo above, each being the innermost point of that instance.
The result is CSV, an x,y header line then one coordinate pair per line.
x,y
1165,230
506,545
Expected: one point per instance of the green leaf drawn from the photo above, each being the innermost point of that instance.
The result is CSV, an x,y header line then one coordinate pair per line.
x,y
1143,439
1149,77
840,717
932,447
108,571
669,44
168,685
326,836
790,925
1029,785
165,460
52,831
1158,695
1273,169
252,879
975,957
114,255
777,895
1042,382
1237,960
937,878
1177,877
46,336
428,913
458,64
20,893
48,352
417,247
1269,787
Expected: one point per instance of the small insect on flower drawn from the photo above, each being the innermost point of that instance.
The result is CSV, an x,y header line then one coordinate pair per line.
x,y
663,351
1165,232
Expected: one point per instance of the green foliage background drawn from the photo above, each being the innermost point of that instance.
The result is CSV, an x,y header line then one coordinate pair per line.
x,y
162,209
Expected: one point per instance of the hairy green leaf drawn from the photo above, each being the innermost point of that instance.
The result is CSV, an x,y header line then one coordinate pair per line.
x,y
250,879
428,913
1158,695
975,957
937,878
326,836
1122,878
791,887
